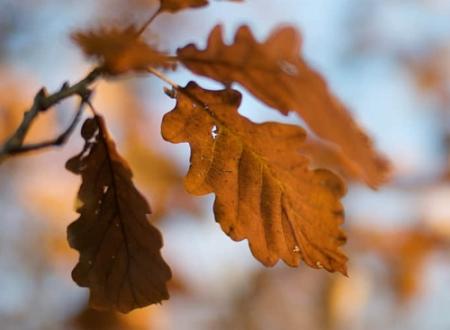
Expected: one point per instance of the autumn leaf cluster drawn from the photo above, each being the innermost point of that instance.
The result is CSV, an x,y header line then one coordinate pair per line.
x,y
275,185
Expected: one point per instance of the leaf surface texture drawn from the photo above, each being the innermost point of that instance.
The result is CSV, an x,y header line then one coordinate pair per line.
x,y
264,190
275,73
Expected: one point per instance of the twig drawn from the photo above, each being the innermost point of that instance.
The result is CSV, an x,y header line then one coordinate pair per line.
x,y
148,22
163,77
42,102
91,107
179,89
58,141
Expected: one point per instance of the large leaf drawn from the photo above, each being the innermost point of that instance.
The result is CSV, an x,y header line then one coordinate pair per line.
x,y
265,191
120,259
275,73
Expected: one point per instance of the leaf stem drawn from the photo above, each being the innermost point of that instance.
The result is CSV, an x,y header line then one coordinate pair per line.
x,y
148,22
164,78
179,89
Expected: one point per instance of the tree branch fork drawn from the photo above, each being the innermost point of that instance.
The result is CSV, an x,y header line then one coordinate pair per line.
x,y
42,102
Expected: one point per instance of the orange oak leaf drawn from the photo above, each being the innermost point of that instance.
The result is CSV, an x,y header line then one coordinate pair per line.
x,y
275,73
120,260
119,50
265,191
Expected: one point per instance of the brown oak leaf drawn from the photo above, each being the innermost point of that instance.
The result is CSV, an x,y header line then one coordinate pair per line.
x,y
275,73
120,260
120,50
265,191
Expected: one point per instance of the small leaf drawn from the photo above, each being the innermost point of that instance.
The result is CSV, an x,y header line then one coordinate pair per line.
x,y
265,191
120,50
120,260
275,73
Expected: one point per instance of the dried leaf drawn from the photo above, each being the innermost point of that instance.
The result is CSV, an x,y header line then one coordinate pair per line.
x,y
120,258
119,50
264,189
276,74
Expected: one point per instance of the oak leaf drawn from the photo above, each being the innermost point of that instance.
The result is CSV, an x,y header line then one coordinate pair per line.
x,y
120,259
264,190
275,73
120,50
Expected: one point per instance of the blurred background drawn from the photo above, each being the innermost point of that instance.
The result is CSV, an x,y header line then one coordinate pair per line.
x,y
388,60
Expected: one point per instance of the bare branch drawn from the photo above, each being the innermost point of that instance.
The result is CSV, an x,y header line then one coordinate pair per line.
x,y
58,141
42,102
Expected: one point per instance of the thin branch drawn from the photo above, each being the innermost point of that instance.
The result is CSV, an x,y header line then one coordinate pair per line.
x,y
179,89
58,141
148,22
42,102
91,107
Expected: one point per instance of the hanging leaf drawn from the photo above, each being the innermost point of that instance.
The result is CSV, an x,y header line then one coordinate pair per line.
x,y
120,260
275,73
120,50
264,189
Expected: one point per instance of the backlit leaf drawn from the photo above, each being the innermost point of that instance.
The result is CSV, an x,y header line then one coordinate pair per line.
x,y
119,50
275,73
265,191
120,260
